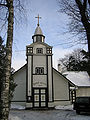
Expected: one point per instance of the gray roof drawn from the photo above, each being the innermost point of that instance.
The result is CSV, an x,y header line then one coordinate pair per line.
x,y
31,45
38,31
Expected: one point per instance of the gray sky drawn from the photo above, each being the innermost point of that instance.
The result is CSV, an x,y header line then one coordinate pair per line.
x,y
53,25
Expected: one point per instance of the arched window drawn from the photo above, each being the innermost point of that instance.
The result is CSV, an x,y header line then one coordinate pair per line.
x,y
39,70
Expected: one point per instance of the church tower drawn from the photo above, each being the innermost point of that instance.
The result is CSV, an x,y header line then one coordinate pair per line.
x,y
39,76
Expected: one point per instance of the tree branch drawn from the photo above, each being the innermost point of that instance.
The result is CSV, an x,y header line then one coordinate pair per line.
x,y
79,4
89,2
5,5
84,5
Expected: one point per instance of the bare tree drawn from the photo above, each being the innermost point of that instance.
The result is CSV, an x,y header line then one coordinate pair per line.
x,y
79,14
6,81
7,18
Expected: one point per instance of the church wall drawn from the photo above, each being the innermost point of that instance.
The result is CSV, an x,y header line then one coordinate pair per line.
x,y
82,91
29,74
39,81
39,46
50,82
20,90
61,88
39,61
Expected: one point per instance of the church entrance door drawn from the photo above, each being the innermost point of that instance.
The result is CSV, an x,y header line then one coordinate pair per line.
x,y
40,99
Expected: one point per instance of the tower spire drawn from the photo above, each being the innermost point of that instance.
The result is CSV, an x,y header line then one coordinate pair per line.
x,y
38,35
38,19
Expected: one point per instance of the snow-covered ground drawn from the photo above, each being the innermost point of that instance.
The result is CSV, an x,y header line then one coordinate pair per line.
x,y
64,107
59,107
63,113
18,107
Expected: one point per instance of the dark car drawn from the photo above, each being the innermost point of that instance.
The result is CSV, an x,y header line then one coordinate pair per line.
x,y
82,104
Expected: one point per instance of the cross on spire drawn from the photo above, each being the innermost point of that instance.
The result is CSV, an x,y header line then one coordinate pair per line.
x,y
38,19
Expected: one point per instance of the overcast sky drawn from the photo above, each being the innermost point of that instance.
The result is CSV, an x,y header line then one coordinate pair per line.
x,y
53,25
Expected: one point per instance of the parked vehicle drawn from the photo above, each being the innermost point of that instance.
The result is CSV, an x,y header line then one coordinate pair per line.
x,y
82,104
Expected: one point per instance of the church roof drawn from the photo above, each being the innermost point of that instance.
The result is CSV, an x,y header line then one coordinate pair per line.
x,y
38,31
31,45
23,67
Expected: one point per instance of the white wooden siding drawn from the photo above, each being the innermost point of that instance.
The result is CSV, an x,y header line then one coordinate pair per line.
x,y
61,88
20,90
39,81
39,61
29,74
39,46
83,91
50,78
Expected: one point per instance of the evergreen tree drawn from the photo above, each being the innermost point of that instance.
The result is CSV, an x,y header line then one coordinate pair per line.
x,y
77,61
86,61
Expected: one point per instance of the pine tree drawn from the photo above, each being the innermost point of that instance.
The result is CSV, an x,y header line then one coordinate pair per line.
x,y
78,60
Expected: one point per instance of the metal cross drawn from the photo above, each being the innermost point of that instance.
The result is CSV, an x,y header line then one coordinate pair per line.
x,y
38,19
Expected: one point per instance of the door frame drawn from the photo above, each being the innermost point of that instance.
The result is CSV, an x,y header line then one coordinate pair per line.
x,y
46,97
73,95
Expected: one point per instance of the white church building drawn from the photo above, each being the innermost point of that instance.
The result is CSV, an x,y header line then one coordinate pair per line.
x,y
39,85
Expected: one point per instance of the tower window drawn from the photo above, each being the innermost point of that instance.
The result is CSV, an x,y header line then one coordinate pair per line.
x,y
29,50
49,50
39,50
39,70
38,38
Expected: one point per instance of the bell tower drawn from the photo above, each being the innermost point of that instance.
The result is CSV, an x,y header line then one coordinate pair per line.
x,y
39,79
38,35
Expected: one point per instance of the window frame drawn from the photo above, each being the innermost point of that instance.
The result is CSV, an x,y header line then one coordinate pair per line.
x,y
49,50
38,38
39,70
29,49
39,50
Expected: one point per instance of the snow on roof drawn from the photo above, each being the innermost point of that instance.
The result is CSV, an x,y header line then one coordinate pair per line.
x,y
80,79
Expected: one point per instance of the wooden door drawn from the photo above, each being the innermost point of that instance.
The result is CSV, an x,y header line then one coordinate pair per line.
x,y
40,99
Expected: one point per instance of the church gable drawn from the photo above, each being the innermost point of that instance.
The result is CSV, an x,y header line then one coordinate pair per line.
x,y
39,47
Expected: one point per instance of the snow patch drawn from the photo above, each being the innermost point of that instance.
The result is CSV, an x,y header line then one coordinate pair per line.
x,y
78,78
19,107
64,107
14,118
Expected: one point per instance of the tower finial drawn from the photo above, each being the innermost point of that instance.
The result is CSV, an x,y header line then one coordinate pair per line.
x,y
38,19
